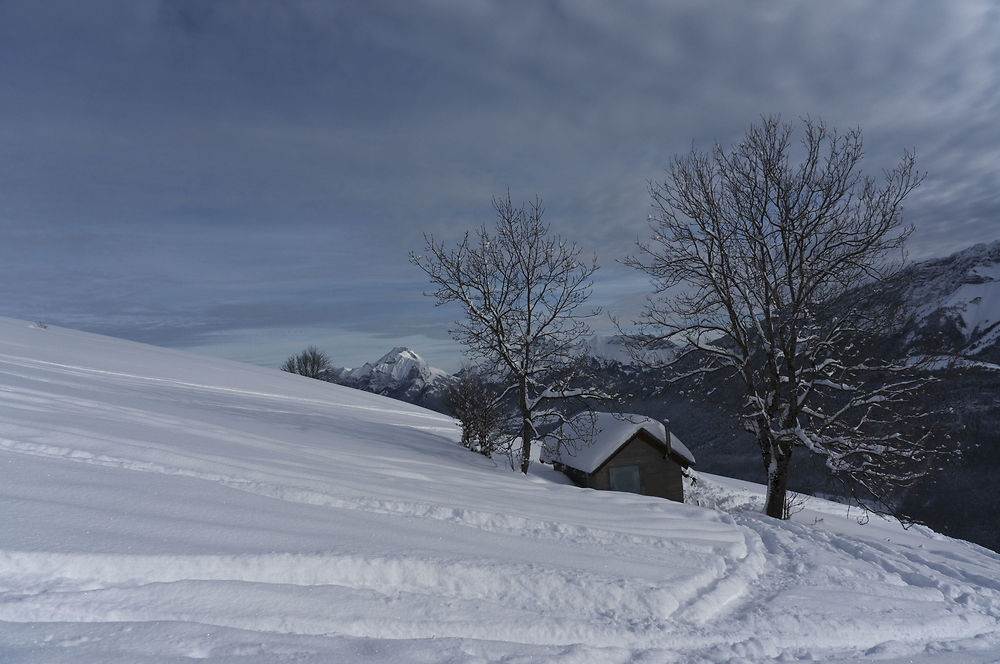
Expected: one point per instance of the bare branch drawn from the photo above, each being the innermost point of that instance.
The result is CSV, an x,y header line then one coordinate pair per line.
x,y
764,267
523,293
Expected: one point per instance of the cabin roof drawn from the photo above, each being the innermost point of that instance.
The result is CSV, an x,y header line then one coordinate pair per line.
x,y
611,432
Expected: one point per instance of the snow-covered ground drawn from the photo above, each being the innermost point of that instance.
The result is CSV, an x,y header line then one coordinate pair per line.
x,y
159,506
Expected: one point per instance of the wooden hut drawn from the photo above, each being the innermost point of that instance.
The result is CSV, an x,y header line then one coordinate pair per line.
x,y
626,453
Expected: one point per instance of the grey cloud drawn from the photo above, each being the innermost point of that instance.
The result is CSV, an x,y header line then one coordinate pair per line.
x,y
210,166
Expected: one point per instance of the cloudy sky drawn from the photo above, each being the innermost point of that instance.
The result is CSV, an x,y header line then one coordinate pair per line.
x,y
246,178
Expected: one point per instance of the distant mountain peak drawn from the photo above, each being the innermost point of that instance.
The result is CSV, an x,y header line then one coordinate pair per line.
x,y
399,352
402,374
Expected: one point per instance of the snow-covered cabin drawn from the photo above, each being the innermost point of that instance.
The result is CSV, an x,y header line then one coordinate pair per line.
x,y
627,453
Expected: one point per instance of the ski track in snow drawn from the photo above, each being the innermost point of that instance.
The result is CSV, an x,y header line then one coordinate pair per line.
x,y
74,589
432,554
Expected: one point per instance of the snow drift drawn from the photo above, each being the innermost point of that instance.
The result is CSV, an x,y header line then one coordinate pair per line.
x,y
160,506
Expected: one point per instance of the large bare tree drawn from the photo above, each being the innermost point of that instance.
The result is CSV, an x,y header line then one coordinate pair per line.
x,y
523,291
766,260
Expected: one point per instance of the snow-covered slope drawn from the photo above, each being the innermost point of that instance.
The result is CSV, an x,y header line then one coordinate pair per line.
x,y
956,301
164,507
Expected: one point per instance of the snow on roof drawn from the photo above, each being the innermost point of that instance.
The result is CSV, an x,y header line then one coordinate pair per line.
x,y
680,449
610,432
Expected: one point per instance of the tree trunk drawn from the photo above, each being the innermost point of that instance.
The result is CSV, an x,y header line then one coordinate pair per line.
x,y
777,484
527,430
526,434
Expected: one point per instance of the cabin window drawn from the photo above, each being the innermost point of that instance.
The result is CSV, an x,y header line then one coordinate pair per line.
x,y
624,478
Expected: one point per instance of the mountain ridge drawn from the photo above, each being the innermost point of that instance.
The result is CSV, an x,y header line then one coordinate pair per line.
x,y
955,302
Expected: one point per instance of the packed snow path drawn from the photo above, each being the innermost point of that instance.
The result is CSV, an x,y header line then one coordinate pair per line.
x,y
159,506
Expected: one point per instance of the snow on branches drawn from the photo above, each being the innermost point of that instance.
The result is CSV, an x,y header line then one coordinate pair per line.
x,y
523,292
769,270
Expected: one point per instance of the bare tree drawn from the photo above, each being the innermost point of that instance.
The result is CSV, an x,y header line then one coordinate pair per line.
x,y
311,362
769,270
523,292
475,403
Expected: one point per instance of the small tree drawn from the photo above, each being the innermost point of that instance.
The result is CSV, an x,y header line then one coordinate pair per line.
x,y
311,362
523,293
765,269
474,402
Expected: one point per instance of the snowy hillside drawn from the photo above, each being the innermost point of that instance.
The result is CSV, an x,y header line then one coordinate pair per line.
x,y
956,301
163,507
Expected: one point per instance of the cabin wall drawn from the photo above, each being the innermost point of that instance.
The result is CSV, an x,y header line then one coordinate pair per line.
x,y
658,476
579,478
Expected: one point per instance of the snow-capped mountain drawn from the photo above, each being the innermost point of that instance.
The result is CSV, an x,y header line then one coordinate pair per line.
x,y
955,303
400,374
